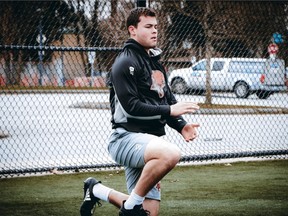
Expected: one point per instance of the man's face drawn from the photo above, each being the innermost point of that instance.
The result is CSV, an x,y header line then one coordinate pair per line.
x,y
146,32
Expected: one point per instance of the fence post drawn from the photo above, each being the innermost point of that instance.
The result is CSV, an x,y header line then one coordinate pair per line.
x,y
40,40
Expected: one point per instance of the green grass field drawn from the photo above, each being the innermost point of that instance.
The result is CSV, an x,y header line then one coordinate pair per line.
x,y
244,188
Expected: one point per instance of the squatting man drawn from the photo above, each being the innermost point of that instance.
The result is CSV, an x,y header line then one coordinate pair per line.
x,y
141,105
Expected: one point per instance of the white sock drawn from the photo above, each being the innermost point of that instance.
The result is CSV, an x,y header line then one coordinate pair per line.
x,y
134,199
102,192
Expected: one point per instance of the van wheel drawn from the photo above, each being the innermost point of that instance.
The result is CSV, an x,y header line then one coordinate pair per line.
x,y
241,90
263,94
178,86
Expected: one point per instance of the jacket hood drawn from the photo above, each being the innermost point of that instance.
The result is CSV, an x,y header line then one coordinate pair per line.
x,y
154,53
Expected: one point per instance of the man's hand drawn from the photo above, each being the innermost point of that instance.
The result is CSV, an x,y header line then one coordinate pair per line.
x,y
181,108
189,131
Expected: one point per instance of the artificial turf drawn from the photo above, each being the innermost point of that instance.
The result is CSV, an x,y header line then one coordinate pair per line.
x,y
243,188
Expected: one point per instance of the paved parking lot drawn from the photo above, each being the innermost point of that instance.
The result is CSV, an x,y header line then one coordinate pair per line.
x,y
47,130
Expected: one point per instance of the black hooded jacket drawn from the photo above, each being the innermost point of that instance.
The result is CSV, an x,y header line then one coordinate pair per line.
x,y
140,97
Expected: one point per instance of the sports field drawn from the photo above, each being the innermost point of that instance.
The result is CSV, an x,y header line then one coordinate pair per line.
x,y
244,188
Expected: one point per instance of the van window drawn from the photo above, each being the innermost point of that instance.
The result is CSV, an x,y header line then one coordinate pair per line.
x,y
200,66
246,67
218,65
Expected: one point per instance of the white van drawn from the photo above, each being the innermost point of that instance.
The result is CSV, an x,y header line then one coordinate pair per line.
x,y
243,76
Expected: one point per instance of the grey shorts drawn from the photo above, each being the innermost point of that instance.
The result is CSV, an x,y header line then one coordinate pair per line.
x,y
127,148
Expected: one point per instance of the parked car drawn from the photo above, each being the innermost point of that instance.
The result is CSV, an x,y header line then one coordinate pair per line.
x,y
243,76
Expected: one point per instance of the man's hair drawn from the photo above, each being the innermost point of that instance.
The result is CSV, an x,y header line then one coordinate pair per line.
x,y
134,17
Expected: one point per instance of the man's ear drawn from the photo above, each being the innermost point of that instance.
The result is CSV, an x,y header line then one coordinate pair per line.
x,y
131,30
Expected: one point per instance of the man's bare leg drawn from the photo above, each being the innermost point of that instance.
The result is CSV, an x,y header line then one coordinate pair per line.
x,y
160,158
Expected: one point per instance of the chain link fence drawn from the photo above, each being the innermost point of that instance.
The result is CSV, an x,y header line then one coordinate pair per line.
x,y
55,57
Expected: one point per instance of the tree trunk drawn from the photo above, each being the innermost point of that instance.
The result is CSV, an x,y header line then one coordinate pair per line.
x,y
208,53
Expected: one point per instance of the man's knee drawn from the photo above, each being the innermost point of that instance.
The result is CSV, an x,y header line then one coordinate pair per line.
x,y
166,152
171,157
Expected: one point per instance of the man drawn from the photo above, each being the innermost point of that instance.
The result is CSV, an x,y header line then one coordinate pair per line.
x,y
141,105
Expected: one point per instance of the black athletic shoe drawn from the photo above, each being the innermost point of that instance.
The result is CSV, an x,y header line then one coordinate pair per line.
x,y
88,205
136,211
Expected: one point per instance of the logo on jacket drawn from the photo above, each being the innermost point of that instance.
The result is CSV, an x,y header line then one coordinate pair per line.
x,y
131,69
158,82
